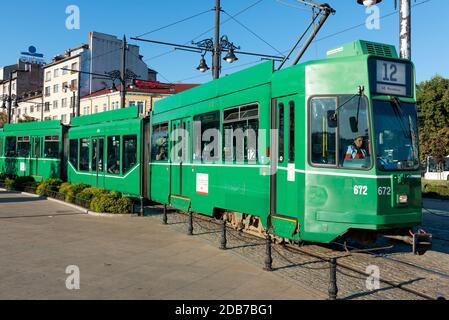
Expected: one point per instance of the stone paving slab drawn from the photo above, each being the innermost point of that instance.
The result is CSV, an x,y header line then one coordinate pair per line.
x,y
123,258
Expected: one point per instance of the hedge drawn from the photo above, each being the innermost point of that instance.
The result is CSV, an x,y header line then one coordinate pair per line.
x,y
48,185
435,189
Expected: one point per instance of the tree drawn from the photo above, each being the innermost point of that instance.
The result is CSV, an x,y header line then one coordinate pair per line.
x,y
3,119
433,107
27,119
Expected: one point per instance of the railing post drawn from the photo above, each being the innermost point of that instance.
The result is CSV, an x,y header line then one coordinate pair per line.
x,y
190,220
164,215
141,207
333,289
223,241
268,259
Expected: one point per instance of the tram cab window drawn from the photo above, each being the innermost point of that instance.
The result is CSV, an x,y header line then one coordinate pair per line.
x,y
241,126
84,154
206,132
11,146
73,153
340,132
129,152
23,147
323,133
51,147
354,143
159,142
114,155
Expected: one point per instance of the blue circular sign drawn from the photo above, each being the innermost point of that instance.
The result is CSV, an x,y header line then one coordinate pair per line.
x,y
32,49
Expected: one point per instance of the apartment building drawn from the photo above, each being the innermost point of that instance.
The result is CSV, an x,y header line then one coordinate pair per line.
x,y
30,107
61,85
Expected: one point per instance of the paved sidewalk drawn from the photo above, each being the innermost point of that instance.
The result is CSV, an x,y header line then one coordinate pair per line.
x,y
119,258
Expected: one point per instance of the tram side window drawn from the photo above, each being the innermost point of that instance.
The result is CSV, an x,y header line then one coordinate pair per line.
x,y
23,147
73,153
241,126
206,133
11,146
84,154
51,147
129,152
323,131
291,133
114,155
159,142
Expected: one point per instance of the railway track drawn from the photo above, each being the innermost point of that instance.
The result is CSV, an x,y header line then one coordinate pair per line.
x,y
417,281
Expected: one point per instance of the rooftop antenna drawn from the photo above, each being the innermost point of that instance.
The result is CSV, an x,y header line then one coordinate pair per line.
x,y
324,10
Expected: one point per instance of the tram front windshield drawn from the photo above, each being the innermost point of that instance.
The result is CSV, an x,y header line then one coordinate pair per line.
x,y
396,135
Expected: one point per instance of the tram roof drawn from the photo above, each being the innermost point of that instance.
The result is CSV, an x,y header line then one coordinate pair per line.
x,y
29,126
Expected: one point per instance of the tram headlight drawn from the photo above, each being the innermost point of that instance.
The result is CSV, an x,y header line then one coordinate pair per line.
x,y
403,198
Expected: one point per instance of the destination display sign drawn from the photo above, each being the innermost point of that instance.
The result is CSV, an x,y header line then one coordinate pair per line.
x,y
391,78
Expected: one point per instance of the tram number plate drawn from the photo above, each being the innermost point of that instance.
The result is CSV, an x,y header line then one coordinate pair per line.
x,y
384,191
361,190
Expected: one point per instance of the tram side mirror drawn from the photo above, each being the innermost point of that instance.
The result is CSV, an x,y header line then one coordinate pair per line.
x,y
354,124
332,119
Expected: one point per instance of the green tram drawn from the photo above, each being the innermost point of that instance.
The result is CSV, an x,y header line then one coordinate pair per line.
x,y
105,150
32,149
307,180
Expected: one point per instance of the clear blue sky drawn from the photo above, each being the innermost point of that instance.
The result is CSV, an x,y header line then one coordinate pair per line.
x,y
279,22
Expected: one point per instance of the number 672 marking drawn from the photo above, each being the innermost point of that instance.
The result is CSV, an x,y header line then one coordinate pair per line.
x,y
361,190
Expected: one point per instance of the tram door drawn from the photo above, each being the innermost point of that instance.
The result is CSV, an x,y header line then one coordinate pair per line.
x,y
286,188
35,154
180,153
98,162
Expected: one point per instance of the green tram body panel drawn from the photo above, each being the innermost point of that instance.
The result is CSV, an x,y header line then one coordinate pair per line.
x,y
313,203
118,123
36,157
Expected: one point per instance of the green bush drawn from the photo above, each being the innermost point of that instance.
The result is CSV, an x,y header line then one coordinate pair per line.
x,y
2,177
89,193
72,191
111,203
48,185
19,183
435,189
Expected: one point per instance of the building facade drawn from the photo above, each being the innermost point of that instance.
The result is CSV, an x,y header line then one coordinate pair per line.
x,y
142,94
30,108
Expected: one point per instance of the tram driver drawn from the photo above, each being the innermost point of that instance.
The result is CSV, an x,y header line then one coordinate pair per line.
x,y
356,150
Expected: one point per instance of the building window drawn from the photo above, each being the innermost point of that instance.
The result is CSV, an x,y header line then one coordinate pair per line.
x,y
51,147
84,154
73,153
159,142
31,109
56,73
141,106
18,112
64,103
55,104
47,107
105,107
96,109
74,85
56,88
64,118
23,147
64,70
206,150
114,155
48,76
74,67
129,152
47,91
85,110
132,103
64,86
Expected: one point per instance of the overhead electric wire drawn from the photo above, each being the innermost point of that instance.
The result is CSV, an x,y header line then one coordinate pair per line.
x,y
253,33
175,23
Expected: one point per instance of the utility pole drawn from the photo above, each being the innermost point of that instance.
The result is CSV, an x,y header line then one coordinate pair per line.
x,y
9,97
216,64
405,13
123,74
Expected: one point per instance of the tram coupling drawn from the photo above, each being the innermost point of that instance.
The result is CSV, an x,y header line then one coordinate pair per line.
x,y
420,241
